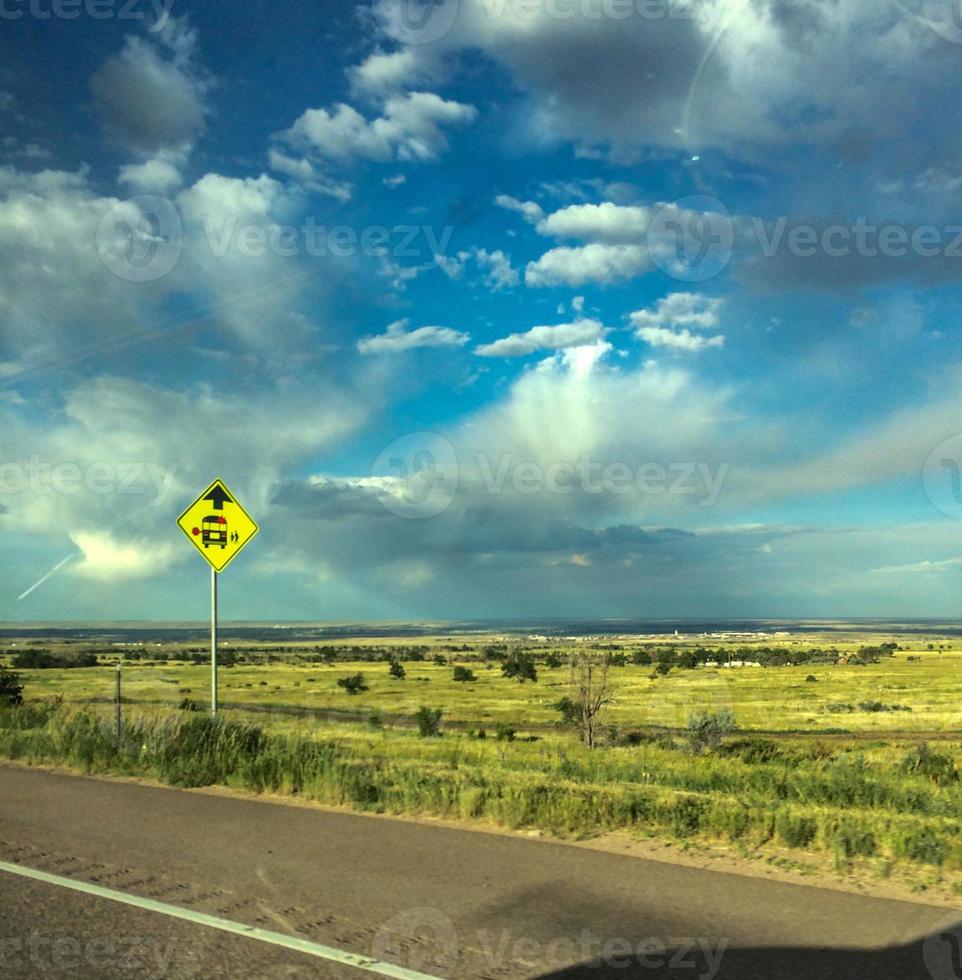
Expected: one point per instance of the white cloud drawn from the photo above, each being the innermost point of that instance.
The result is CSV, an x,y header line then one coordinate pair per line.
x,y
529,210
499,273
542,338
611,224
398,338
680,340
383,73
410,128
154,176
307,174
587,263
680,310
108,560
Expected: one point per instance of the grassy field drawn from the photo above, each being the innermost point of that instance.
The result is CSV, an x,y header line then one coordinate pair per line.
x,y
799,773
776,699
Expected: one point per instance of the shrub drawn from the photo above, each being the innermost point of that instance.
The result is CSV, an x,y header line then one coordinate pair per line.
x,y
795,830
553,661
188,705
429,722
922,761
374,720
11,690
353,683
396,670
753,750
570,711
504,732
464,674
811,679
706,730
439,659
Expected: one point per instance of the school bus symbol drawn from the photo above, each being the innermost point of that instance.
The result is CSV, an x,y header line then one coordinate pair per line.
x,y
213,530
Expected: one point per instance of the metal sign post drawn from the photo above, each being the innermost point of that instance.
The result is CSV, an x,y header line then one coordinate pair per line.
x,y
213,641
118,719
218,527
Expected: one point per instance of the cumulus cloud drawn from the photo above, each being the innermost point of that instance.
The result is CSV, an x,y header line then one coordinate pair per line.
x,y
529,210
411,128
667,323
542,338
383,73
152,97
398,338
154,176
678,340
576,266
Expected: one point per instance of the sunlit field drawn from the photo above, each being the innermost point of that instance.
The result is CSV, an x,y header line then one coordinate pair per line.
x,y
776,699
858,762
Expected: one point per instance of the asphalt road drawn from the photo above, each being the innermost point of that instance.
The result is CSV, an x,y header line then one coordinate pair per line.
x,y
444,902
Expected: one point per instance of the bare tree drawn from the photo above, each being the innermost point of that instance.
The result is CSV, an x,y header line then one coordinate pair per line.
x,y
591,692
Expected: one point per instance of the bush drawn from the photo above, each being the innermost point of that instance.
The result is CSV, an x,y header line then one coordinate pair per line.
x,y
553,661
374,720
811,679
570,711
464,674
188,705
795,830
504,732
706,730
922,761
353,683
396,670
429,722
11,690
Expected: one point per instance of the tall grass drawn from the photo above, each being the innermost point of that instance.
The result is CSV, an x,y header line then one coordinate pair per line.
x,y
801,796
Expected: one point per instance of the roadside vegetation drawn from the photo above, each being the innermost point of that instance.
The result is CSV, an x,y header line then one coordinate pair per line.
x,y
572,741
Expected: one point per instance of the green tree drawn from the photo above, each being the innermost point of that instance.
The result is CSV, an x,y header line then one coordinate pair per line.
x,y
520,665
396,670
11,690
464,674
429,722
353,683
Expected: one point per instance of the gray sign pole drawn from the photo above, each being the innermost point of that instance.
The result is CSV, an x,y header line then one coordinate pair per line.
x,y
117,702
213,641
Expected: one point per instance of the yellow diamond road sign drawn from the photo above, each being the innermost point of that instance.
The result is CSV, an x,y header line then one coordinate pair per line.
x,y
217,526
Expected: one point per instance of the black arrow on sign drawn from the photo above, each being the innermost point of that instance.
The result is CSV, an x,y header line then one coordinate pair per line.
x,y
218,496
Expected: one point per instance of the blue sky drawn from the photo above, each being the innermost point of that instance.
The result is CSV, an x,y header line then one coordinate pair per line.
x,y
483,308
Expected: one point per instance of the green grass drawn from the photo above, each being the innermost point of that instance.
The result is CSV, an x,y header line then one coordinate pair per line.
x,y
848,804
774,698
292,730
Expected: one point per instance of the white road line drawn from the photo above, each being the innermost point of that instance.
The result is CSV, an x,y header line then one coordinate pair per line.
x,y
225,925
